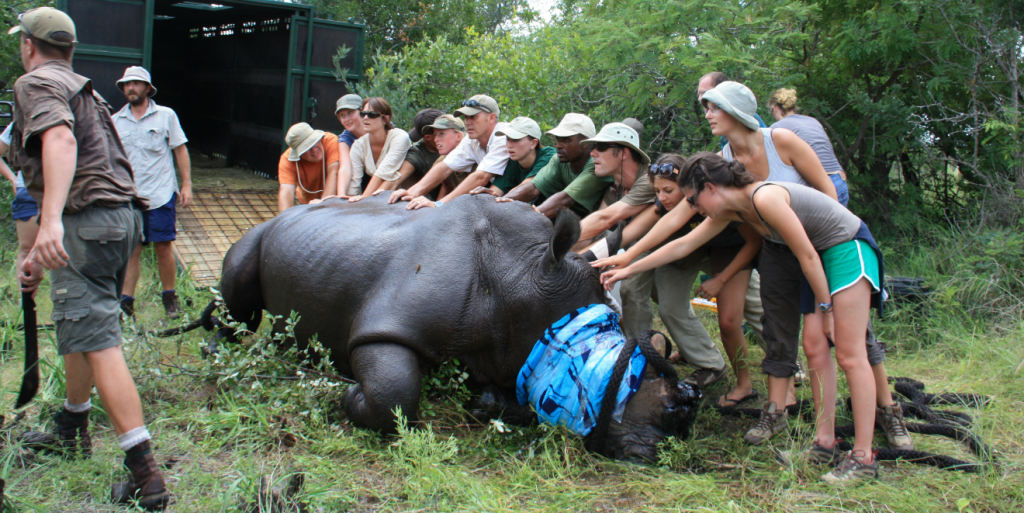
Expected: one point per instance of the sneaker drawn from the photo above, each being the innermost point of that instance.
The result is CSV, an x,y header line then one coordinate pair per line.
x,y
170,299
703,378
69,436
851,470
771,422
890,420
817,454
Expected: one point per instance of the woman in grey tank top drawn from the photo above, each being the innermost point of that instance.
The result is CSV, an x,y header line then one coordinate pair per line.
x,y
782,103
846,273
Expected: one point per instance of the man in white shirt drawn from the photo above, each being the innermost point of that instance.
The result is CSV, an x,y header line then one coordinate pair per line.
x,y
150,134
482,155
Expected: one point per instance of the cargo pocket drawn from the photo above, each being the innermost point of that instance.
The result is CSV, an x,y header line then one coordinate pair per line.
x,y
102,234
103,249
67,303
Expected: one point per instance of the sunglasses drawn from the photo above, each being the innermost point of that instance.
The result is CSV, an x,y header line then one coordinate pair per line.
x,y
692,200
473,104
603,146
368,114
665,170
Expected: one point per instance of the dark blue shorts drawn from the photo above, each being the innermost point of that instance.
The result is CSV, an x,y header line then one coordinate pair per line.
x,y
24,207
158,224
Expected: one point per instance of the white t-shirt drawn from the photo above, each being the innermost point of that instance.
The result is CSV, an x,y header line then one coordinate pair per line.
x,y
392,155
5,137
148,142
469,152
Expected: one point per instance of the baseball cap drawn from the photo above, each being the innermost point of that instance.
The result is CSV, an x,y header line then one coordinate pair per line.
x,y
736,99
476,104
137,73
43,22
446,121
622,134
572,124
519,128
422,119
300,138
349,101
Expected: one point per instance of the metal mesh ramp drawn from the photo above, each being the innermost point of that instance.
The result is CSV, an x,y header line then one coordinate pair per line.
x,y
215,221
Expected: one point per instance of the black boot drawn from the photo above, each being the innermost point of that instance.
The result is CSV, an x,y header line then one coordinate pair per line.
x,y
171,307
69,436
146,484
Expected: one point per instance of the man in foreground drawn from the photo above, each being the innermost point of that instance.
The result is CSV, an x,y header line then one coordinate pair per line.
x,y
90,221
150,133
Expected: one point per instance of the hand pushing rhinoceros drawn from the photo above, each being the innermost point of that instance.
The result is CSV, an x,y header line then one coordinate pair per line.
x,y
394,293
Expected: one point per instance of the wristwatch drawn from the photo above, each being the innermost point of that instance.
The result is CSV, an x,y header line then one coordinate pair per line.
x,y
825,307
438,203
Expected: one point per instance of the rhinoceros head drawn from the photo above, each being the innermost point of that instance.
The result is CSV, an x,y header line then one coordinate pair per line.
x,y
566,277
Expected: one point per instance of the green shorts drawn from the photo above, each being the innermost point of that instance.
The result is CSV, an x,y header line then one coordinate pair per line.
x,y
846,263
86,293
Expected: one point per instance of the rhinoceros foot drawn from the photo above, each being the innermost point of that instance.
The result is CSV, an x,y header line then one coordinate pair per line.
x,y
660,409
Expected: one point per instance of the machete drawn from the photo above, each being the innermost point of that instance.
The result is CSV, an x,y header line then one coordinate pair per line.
x,y
30,380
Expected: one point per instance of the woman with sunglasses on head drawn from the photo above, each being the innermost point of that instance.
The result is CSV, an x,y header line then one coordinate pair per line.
x,y
377,156
728,256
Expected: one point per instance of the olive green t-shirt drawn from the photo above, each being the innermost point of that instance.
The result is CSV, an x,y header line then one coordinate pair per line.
x,y
515,174
586,188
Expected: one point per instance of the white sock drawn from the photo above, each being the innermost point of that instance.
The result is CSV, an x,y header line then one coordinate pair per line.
x,y
78,408
600,248
133,438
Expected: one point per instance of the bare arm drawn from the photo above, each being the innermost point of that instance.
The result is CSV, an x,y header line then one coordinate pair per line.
x,y
670,223
475,179
60,157
751,246
668,253
331,184
435,176
285,198
640,225
4,170
801,156
558,200
185,168
525,192
599,221
375,183
344,170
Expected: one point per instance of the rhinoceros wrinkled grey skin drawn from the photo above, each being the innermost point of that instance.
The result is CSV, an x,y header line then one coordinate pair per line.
x,y
394,293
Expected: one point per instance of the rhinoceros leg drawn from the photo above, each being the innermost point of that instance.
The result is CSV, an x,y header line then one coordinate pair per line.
x,y
389,376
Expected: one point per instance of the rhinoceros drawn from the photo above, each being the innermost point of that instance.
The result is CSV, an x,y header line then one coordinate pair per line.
x,y
394,293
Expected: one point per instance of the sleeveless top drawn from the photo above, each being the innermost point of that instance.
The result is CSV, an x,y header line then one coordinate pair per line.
x,y
811,131
778,171
826,222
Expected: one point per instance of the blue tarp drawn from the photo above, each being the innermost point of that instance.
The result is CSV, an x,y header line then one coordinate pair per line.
x,y
567,372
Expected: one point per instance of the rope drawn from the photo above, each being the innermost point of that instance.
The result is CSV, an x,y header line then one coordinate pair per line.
x,y
206,320
595,441
950,424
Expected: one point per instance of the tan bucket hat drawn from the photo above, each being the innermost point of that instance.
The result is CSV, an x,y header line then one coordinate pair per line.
x,y
300,138
137,73
43,22
572,124
622,134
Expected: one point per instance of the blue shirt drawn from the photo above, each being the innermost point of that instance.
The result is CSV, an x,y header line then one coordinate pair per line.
x,y
349,138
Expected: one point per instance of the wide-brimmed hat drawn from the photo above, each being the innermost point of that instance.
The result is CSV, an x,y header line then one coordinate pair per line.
x,y
137,73
519,128
349,101
476,104
736,99
43,22
444,122
300,138
572,124
423,118
621,134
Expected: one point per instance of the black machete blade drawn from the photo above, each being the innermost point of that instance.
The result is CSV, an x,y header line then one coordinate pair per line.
x,y
30,380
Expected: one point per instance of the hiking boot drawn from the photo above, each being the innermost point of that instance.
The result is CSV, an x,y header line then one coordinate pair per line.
x,y
170,299
703,378
69,436
771,422
890,420
851,471
146,484
817,454
127,307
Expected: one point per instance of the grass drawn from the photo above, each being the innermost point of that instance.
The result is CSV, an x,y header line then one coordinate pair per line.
x,y
226,430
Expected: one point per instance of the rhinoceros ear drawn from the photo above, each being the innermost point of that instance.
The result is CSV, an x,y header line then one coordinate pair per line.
x,y
564,235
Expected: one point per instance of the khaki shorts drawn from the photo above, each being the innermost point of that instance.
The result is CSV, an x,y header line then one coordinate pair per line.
x,y
86,293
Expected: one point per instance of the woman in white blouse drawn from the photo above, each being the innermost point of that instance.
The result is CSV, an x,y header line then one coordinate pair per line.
x,y
378,154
